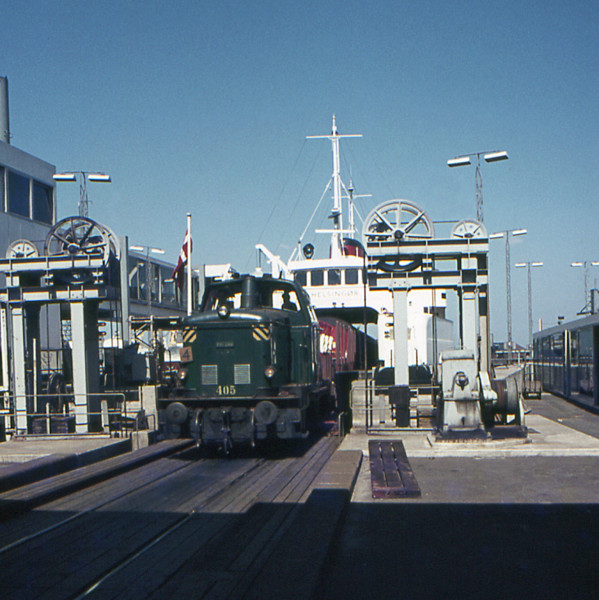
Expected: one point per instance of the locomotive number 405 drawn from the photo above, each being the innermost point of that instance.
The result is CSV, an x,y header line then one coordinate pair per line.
x,y
225,390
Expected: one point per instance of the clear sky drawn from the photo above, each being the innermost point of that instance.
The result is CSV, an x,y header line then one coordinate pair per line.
x,y
203,106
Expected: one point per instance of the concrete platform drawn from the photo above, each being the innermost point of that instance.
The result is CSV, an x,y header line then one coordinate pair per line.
x,y
24,450
557,462
545,438
496,520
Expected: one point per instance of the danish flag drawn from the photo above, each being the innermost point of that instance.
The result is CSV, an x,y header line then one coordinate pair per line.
x,y
179,270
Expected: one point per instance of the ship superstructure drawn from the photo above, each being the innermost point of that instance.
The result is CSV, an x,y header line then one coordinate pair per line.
x,y
338,284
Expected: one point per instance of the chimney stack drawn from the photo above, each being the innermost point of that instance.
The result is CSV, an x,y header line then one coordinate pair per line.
x,y
4,122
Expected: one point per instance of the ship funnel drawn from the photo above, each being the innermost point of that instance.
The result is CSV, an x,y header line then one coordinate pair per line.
x,y
4,122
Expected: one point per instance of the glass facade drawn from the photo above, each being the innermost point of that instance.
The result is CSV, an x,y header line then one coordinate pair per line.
x,y
162,286
23,196
18,194
43,205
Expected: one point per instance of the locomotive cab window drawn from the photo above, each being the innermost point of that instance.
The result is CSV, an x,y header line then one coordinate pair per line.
x,y
285,300
222,296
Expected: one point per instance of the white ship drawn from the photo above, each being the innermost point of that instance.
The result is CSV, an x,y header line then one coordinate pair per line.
x,y
337,287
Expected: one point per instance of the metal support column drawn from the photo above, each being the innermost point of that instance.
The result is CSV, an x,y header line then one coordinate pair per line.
x,y
400,335
468,321
124,290
484,330
19,353
84,324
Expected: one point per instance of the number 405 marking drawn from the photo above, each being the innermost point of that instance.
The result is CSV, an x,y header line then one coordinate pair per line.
x,y
225,390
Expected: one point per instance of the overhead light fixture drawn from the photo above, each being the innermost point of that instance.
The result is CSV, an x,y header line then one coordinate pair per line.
x,y
494,236
495,156
532,264
519,232
147,249
460,161
102,177
64,177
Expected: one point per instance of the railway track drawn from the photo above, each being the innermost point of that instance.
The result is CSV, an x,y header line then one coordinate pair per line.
x,y
205,525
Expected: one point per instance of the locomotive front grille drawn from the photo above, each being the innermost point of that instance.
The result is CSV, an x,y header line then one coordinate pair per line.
x,y
241,374
209,374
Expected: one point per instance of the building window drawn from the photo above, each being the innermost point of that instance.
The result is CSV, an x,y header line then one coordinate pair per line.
x,y
169,295
351,276
18,194
43,206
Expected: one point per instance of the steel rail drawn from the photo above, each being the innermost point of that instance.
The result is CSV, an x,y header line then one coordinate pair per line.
x,y
87,511
166,532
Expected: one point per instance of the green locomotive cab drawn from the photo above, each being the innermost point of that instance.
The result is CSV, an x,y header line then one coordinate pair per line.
x,y
250,364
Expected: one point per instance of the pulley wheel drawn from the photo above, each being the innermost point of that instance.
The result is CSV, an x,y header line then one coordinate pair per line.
x,y
81,236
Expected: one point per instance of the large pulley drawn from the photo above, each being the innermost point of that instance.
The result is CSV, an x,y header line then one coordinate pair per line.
x,y
81,237
397,221
468,229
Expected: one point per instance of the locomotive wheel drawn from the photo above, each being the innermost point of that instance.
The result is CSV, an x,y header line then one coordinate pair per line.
x,y
176,413
265,413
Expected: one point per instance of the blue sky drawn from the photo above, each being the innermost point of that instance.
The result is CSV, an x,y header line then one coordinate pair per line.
x,y
204,106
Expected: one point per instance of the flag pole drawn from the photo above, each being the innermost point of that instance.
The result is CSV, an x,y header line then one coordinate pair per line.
x,y
189,290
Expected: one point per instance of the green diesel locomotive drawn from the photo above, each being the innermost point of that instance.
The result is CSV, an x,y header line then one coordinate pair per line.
x,y
250,366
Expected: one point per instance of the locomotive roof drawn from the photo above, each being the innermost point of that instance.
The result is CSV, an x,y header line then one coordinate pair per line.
x,y
251,298
264,283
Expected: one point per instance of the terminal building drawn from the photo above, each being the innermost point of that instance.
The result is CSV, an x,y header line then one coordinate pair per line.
x,y
70,289
27,189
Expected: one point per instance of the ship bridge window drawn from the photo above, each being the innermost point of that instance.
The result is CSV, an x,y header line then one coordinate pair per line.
x,y
351,276
334,276
301,278
317,277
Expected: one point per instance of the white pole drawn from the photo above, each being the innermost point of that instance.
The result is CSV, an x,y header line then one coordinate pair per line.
x,y
189,294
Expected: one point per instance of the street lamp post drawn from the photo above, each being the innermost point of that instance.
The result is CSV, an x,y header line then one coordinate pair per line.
x,y
465,159
589,303
529,265
508,280
84,177
149,281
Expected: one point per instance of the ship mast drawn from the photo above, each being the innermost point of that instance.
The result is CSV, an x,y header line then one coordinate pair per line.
x,y
337,212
